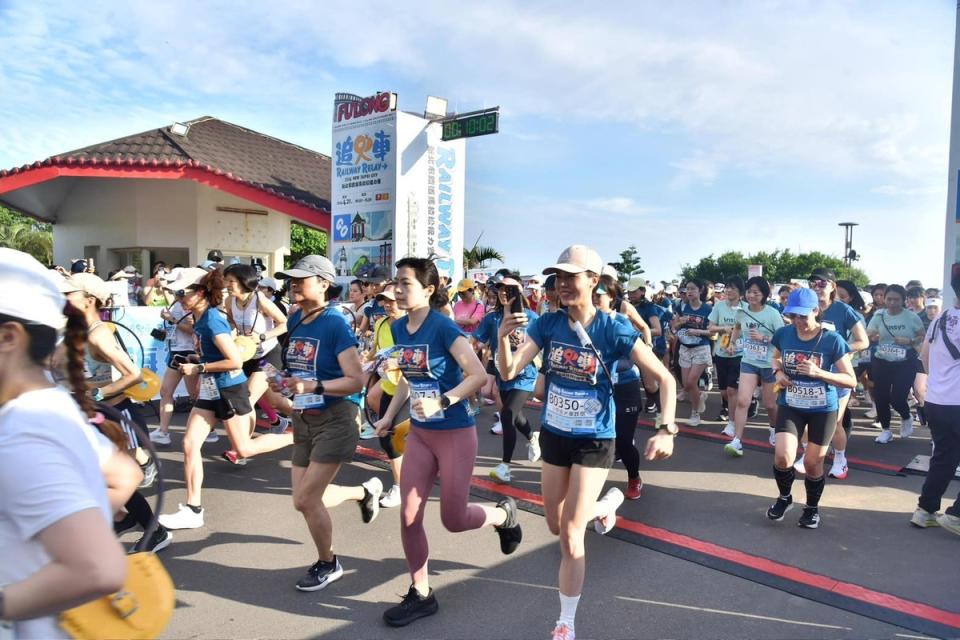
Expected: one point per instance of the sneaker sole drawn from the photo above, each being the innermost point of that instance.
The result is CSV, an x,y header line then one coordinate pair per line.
x,y
163,545
331,578
815,525
925,525
785,512
412,618
733,453
498,479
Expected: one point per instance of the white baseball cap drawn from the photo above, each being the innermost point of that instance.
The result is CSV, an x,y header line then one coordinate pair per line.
x,y
270,283
90,284
637,282
29,291
576,259
188,277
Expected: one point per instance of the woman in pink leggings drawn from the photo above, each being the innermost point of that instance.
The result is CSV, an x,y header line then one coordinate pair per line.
x,y
440,372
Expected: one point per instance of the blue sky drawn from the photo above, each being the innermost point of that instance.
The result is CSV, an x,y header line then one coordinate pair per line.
x,y
685,128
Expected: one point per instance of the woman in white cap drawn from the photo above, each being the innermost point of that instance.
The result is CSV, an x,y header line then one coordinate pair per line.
x,y
57,548
581,347
323,373
222,397
180,346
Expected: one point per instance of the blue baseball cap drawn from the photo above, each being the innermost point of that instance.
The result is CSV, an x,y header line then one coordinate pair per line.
x,y
801,301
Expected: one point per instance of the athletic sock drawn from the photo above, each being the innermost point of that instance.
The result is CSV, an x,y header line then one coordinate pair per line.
x,y
568,609
784,478
195,509
814,488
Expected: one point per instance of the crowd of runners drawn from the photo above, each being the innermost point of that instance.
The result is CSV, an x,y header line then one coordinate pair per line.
x,y
405,357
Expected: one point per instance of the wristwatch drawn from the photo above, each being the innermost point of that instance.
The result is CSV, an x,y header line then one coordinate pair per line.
x,y
263,337
444,401
319,388
670,428
203,367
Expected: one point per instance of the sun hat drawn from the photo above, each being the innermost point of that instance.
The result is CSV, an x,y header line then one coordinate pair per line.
x,y
186,278
314,265
29,291
934,302
270,283
577,259
637,282
823,273
466,285
90,284
802,301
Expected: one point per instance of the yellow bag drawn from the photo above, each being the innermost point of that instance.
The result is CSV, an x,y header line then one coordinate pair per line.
x,y
247,347
147,388
141,610
399,437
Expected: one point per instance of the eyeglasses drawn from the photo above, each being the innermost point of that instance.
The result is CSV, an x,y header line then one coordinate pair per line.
x,y
817,284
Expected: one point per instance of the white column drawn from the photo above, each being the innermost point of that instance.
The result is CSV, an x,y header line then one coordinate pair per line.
x,y
951,246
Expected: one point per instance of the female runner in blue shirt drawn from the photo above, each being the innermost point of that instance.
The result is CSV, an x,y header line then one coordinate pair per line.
x,y
577,440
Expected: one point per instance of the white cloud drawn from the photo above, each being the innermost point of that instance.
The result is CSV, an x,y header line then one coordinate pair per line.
x,y
618,205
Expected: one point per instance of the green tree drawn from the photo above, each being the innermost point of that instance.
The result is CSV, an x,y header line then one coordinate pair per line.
x,y
781,265
26,234
476,257
305,241
629,264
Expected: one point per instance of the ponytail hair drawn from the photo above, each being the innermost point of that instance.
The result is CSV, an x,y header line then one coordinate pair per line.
x,y
212,285
427,275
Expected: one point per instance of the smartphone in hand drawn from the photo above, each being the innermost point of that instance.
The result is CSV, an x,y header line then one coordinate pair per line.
x,y
516,303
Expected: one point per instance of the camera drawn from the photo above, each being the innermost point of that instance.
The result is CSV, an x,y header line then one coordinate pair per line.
x,y
178,360
158,334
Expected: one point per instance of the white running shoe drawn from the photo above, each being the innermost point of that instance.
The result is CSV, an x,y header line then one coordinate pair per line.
x,y
501,473
533,447
497,428
871,412
184,518
370,504
924,519
613,498
703,403
367,432
839,470
734,448
906,428
885,437
730,430
284,425
694,419
681,395
212,437
159,437
773,437
798,465
391,498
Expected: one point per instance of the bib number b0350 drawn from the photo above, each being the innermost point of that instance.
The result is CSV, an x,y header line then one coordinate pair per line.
x,y
573,410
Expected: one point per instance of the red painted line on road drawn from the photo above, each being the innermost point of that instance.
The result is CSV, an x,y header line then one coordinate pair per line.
x,y
780,570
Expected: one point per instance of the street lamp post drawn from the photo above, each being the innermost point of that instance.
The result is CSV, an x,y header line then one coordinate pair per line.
x,y
848,253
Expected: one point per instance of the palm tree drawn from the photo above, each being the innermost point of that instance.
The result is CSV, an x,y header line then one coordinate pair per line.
x,y
30,238
477,256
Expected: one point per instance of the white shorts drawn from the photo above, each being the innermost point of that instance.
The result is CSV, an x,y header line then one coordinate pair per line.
x,y
691,356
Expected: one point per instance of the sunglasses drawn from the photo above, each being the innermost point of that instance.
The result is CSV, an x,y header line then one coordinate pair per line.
x,y
795,316
817,284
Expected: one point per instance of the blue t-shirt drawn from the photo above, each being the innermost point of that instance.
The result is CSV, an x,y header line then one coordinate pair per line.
x,y
842,318
312,353
825,349
579,393
487,333
374,311
211,324
626,372
648,310
429,367
697,319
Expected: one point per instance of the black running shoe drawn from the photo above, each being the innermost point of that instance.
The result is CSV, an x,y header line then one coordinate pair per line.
x,y
412,607
780,508
510,532
370,505
128,522
724,415
160,540
651,406
810,518
321,575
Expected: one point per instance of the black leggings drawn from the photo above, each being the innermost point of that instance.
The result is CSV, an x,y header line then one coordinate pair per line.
x,y
386,442
513,419
891,384
626,397
138,507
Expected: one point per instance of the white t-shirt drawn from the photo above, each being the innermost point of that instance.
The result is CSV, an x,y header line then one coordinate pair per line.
x,y
943,383
48,471
179,340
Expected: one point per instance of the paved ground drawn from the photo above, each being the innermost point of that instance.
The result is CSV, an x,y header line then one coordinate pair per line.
x,y
865,573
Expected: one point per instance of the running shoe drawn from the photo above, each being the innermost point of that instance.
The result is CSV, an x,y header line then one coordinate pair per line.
x,y
924,519
885,437
285,425
949,522
497,428
694,419
703,403
730,430
509,532
184,518
682,395
799,466
124,524
149,474
413,607
724,415
535,400
367,432
563,632
871,412
370,505
734,448
233,458
634,485
779,508
501,473
212,437
754,408
159,437
533,447
773,437
159,541
652,406
613,498
320,575
906,428
839,470
390,498
810,518
489,401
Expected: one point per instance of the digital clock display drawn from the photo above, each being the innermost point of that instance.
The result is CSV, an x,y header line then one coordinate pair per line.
x,y
471,126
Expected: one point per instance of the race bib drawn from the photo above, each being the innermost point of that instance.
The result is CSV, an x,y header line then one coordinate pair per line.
x,y
303,401
756,350
865,356
208,387
807,395
573,410
891,352
829,326
420,389
683,335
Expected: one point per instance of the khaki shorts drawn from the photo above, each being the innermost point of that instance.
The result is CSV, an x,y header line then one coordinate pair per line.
x,y
329,435
691,356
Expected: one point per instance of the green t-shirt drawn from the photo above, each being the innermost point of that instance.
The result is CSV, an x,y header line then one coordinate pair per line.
x,y
723,315
905,324
758,351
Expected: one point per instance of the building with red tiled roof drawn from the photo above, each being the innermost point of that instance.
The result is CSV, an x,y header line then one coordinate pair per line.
x,y
173,194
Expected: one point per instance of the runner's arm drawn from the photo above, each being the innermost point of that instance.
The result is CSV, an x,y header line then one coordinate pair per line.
x,y
273,312
104,342
638,322
652,369
858,338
